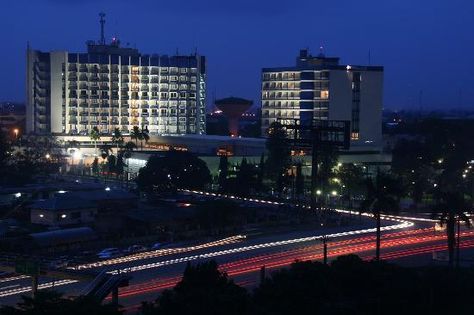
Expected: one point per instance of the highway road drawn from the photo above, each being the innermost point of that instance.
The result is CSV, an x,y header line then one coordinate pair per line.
x,y
408,240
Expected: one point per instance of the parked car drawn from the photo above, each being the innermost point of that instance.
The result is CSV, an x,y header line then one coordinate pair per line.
x,y
136,249
107,253
157,246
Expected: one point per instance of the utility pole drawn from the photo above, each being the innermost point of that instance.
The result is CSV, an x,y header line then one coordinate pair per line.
x,y
262,274
102,24
34,285
458,243
324,239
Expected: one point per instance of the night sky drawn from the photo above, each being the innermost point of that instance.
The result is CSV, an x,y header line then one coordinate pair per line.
x,y
424,45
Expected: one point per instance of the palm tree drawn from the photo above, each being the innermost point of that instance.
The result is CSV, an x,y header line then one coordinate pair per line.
x,y
451,209
72,144
144,136
128,148
105,151
135,134
94,134
382,195
117,138
351,178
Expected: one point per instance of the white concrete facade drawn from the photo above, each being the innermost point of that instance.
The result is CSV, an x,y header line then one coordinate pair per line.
x,y
319,88
111,87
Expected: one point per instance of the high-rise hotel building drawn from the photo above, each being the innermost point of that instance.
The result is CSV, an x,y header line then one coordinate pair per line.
x,y
115,87
318,87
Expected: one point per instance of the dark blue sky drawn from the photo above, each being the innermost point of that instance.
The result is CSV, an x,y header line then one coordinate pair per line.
x,y
424,45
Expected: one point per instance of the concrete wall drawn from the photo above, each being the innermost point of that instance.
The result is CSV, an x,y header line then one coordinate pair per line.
x,y
50,217
58,58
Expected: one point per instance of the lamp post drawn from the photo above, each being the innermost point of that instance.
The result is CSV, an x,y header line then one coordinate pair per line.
x,y
16,131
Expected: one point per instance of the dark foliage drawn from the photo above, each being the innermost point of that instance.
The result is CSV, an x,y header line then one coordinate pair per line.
x,y
176,169
203,290
52,303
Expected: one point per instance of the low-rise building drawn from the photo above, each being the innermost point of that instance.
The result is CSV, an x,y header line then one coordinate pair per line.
x,y
79,208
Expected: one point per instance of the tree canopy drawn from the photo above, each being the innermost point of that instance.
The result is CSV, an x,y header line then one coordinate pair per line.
x,y
173,170
202,290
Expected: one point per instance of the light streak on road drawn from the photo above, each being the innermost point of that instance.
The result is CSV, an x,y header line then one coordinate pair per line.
x,y
158,253
42,286
401,224
14,278
282,259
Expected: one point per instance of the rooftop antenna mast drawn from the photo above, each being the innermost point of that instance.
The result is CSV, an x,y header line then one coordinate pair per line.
x,y
102,24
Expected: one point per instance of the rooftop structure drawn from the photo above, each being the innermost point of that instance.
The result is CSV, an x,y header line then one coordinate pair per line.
x,y
233,108
114,87
320,88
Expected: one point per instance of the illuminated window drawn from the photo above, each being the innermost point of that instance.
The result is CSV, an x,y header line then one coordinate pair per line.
x,y
324,94
354,136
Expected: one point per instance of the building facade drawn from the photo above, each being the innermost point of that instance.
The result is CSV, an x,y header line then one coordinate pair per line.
x,y
114,87
319,88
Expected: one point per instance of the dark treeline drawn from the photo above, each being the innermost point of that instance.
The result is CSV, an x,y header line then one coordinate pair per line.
x,y
347,286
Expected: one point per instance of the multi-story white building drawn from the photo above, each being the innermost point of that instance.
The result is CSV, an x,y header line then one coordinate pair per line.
x,y
113,87
320,88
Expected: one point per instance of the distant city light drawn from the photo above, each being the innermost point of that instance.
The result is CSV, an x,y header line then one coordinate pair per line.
x,y
63,216
41,215
318,192
107,188
334,193
62,192
47,156
18,195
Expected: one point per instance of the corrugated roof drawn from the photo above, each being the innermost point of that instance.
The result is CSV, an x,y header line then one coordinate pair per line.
x,y
63,202
81,199
66,236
